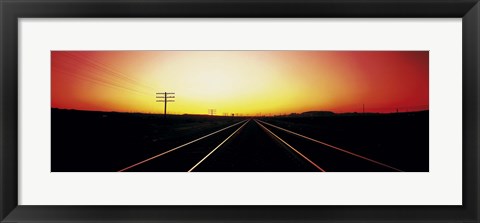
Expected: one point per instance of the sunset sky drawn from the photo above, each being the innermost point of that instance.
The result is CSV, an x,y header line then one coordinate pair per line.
x,y
241,82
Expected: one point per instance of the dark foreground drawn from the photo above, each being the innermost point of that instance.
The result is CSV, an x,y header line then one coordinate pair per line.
x,y
399,140
84,141
105,142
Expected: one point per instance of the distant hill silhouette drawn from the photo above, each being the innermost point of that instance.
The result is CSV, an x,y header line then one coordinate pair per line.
x,y
312,114
317,113
382,114
330,113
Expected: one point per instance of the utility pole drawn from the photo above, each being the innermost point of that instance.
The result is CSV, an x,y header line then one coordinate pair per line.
x,y
164,97
212,111
363,108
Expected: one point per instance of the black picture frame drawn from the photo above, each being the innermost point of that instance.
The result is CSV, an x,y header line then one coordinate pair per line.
x,y
11,11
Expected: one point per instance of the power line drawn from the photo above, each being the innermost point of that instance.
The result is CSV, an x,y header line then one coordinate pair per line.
x,y
99,81
109,75
108,70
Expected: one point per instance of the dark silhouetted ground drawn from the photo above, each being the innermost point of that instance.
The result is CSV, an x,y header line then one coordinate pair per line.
x,y
86,141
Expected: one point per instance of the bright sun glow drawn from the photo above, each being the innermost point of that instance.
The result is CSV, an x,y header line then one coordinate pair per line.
x,y
240,82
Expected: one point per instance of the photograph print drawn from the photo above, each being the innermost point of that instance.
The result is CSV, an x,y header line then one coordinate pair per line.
x,y
239,111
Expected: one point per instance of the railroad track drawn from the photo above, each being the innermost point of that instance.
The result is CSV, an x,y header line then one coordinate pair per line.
x,y
321,153
186,149
257,146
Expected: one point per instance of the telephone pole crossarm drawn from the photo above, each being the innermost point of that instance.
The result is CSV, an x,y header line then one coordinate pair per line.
x,y
165,97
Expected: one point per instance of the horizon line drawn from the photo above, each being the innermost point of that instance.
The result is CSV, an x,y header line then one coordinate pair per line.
x,y
242,115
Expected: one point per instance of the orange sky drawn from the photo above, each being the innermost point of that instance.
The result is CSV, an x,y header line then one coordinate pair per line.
x,y
243,82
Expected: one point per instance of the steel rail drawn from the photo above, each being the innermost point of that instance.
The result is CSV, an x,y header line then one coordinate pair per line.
x,y
178,147
333,147
291,147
